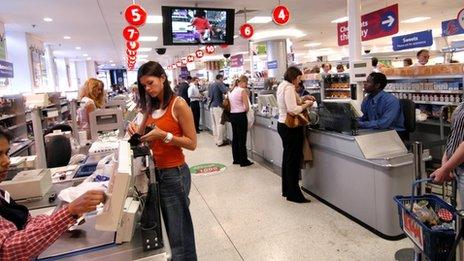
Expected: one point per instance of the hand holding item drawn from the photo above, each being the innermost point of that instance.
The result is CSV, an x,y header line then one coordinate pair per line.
x,y
441,175
308,104
132,128
87,202
309,98
155,134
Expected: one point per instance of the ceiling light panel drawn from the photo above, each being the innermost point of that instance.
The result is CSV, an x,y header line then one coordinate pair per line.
x,y
340,20
415,20
260,20
148,38
48,19
154,19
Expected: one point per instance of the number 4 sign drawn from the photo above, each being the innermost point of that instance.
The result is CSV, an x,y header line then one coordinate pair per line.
x,y
281,15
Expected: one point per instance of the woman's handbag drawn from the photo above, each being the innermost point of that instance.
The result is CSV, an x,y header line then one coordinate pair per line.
x,y
301,119
226,103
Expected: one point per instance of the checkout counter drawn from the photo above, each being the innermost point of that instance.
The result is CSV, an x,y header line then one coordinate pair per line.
x,y
113,232
358,172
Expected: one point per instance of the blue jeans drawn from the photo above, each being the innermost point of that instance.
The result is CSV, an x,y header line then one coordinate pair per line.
x,y
174,185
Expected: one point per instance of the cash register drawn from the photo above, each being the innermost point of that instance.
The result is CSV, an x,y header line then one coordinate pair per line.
x,y
105,120
339,116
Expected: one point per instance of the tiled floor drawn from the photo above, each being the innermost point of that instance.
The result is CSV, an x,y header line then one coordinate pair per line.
x,y
240,215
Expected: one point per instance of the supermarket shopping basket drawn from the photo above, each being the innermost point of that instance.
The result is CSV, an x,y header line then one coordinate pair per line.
x,y
434,244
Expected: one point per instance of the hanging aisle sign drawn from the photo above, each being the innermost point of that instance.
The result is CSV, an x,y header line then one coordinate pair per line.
x,y
281,15
381,23
190,58
199,54
410,41
461,18
451,27
131,33
247,31
133,45
6,69
210,49
135,15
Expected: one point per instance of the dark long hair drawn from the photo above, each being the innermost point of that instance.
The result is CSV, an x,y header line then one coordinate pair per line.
x,y
292,73
147,103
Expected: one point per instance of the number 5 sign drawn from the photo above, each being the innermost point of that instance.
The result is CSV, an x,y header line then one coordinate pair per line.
x,y
135,15
281,15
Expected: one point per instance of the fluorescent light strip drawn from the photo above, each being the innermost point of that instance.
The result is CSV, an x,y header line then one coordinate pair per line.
x,y
340,20
144,49
415,20
278,33
148,38
78,48
48,19
260,20
66,37
312,44
154,19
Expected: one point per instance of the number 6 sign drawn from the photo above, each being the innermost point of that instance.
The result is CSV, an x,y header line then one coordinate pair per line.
x,y
135,15
246,31
281,15
131,33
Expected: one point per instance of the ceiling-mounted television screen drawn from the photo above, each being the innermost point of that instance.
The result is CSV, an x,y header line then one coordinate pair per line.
x,y
194,25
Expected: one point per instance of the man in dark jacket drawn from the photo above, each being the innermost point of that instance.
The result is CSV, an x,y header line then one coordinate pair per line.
x,y
183,89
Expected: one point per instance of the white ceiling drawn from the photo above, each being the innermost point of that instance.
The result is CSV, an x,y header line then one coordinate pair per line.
x,y
96,25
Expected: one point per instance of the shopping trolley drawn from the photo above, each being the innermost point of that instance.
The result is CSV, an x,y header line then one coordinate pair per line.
x,y
439,244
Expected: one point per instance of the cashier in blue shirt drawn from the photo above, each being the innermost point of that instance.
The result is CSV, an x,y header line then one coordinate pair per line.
x,y
381,110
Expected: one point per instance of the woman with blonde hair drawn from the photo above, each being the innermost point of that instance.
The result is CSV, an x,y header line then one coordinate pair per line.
x,y
92,98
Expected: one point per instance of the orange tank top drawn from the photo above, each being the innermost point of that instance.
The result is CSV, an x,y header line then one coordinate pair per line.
x,y
166,155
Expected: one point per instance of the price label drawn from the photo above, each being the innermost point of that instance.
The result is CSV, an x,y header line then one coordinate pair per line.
x,y
184,60
210,49
135,15
199,54
281,15
190,58
133,45
131,53
179,64
247,31
131,33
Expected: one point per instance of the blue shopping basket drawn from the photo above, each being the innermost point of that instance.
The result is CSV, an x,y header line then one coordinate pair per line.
x,y
435,244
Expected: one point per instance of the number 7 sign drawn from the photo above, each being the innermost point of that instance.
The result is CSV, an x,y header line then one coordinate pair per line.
x,y
281,15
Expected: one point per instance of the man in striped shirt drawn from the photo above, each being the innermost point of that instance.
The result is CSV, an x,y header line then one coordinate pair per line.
x,y
23,237
453,158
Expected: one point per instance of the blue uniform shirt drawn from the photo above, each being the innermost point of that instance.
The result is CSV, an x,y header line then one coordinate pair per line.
x,y
382,112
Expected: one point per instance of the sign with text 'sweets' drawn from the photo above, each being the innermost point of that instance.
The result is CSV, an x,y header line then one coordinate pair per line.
x,y
381,23
410,41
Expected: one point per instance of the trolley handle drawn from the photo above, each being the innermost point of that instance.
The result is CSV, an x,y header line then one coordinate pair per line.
x,y
414,185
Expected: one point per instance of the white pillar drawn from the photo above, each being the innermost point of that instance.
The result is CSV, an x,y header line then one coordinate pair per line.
x,y
277,51
51,68
91,70
354,34
63,82
18,54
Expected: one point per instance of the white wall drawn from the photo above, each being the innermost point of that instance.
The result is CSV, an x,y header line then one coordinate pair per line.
x,y
91,69
18,54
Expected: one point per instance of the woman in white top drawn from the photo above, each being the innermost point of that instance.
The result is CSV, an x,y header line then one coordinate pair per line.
x,y
92,98
292,138
239,106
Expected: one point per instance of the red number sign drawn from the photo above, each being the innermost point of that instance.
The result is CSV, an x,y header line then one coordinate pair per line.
x,y
281,15
199,54
135,15
131,58
131,33
174,66
210,49
247,31
413,229
190,58
179,64
184,60
131,53
169,67
133,45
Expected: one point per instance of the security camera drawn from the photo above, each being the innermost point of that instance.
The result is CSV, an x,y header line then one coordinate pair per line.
x,y
367,51
227,55
160,51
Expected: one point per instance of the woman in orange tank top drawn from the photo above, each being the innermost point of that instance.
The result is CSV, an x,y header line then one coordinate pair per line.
x,y
173,129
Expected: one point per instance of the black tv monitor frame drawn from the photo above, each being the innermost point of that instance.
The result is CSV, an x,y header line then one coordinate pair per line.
x,y
167,24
